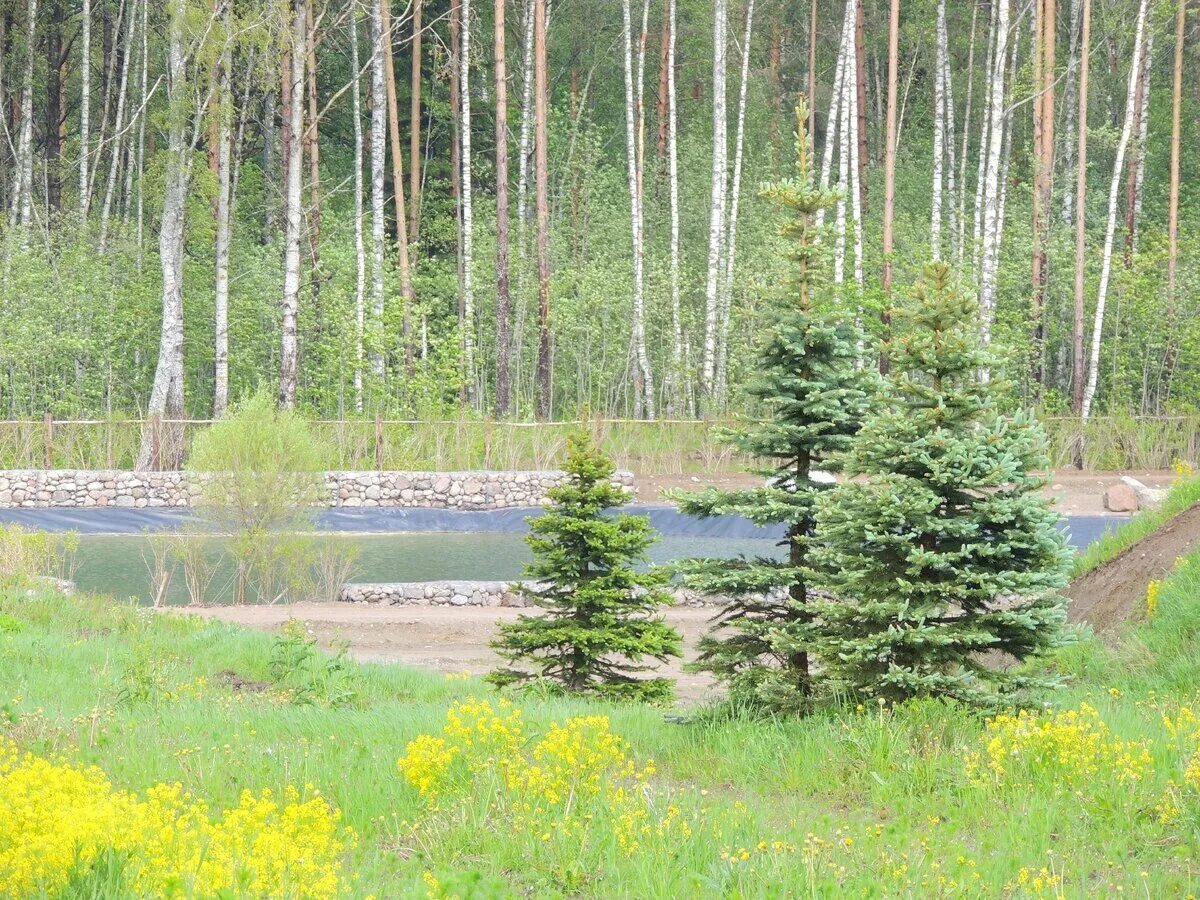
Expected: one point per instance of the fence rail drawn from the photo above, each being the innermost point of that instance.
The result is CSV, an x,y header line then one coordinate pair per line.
x,y
677,446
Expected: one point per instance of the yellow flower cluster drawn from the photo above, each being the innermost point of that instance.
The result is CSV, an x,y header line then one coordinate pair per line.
x,y
1071,747
1152,598
61,818
575,773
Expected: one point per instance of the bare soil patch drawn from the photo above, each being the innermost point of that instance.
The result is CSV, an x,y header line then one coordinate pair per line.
x,y
1109,594
449,640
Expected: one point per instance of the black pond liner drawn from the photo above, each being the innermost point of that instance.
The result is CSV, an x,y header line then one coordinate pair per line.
x,y
1081,530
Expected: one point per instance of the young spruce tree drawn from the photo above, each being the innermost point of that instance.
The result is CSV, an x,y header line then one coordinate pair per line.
x,y
599,612
810,396
946,560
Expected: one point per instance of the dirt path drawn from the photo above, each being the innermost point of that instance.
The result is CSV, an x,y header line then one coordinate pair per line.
x,y
450,640
1110,594
1076,493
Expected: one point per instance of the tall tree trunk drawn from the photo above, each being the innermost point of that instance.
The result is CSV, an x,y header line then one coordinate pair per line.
x,y
939,134
541,137
162,446
85,104
293,214
526,140
360,255
118,134
735,192
836,114
1070,104
1131,112
860,82
54,106
221,253
960,237
664,61
675,376
716,226
468,222
414,127
1047,32
312,149
812,72
21,211
990,253
1077,333
379,37
1173,196
985,123
141,137
889,161
1137,156
845,80
503,339
402,257
634,125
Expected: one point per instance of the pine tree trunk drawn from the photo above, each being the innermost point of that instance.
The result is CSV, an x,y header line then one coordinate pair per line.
x,y
526,140
664,60
716,226
503,340
312,149
889,163
1131,111
812,74
1173,198
1070,104
1137,156
414,134
293,214
378,149
85,105
162,445
360,256
541,139
402,259
1047,31
1077,332
221,252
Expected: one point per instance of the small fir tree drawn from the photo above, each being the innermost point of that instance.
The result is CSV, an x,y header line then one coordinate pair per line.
x,y
811,395
947,554
599,617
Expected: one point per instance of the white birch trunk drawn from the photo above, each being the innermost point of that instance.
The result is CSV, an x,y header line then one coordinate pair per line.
x,y
1089,393
960,237
1143,134
734,198
378,148
985,136
939,134
676,372
118,142
852,138
85,105
468,258
844,76
951,132
141,138
716,225
221,250
22,200
162,447
293,214
526,141
360,256
990,252
832,120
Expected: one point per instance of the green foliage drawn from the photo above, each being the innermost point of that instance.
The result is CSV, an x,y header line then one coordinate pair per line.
x,y
598,621
946,551
812,395
28,553
308,675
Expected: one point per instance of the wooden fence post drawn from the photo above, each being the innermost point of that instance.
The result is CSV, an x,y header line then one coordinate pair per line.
x,y
48,441
378,442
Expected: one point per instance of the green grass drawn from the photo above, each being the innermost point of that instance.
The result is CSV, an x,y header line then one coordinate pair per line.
x,y
1184,493
877,803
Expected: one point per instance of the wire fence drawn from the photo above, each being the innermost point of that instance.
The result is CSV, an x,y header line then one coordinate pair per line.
x,y
659,447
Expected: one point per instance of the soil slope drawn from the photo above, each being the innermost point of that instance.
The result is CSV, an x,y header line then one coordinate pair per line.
x,y
1110,593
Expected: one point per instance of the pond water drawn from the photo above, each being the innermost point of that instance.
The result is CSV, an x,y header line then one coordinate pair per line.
x,y
115,564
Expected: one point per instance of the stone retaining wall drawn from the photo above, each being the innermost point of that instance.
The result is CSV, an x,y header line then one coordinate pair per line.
x,y
30,488
467,593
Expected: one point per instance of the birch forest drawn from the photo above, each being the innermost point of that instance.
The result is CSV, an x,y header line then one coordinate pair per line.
x,y
528,209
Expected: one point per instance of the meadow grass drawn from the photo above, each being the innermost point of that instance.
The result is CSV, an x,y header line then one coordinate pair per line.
x,y
1184,493
923,800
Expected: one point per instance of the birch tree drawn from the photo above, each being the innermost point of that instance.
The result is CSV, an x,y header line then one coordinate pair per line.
x,y
939,134
378,147
503,339
541,141
990,240
716,212
1077,335
1131,112
21,210
1173,195
221,251
293,214
85,104
675,374
468,282
360,256
414,128
644,380
119,132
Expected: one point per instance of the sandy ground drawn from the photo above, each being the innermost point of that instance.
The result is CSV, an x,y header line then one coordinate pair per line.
x,y
444,639
1077,493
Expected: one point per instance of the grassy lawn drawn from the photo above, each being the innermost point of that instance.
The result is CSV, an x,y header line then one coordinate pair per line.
x,y
926,800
